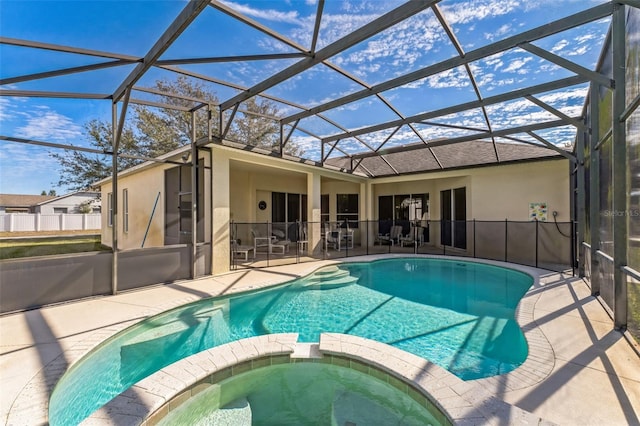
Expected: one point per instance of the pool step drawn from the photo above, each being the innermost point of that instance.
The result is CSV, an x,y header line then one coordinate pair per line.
x,y
236,413
331,277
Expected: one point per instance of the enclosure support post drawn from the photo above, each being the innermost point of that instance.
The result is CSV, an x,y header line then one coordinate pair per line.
x,y
619,165
194,198
579,204
114,199
116,129
594,187
537,233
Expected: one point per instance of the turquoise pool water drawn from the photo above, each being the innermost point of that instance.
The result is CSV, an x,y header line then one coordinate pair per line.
x,y
308,395
459,315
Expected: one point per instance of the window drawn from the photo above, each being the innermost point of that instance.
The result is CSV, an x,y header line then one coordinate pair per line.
x,y
347,209
125,210
324,208
288,208
110,209
64,210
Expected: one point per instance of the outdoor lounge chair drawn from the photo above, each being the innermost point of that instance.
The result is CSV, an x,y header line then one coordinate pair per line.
x,y
270,242
241,251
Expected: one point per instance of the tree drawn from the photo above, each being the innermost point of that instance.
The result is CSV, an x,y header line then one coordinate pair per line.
x,y
80,170
162,130
52,192
153,131
260,127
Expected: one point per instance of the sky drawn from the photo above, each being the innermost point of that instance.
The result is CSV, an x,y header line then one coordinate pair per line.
x,y
132,27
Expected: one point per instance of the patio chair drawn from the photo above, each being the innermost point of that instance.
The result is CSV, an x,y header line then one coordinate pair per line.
x,y
303,241
332,237
392,237
415,235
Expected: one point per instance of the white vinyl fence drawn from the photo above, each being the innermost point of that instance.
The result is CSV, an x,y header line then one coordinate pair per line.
x,y
19,222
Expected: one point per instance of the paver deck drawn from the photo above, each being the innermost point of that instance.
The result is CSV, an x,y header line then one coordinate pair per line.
x,y
580,372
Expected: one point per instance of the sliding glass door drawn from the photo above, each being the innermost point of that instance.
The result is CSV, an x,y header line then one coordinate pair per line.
x,y
453,215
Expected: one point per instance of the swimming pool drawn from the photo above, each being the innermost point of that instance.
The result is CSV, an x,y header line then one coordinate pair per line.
x,y
459,315
308,394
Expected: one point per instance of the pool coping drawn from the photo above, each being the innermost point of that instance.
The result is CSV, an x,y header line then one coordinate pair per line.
x,y
31,405
455,402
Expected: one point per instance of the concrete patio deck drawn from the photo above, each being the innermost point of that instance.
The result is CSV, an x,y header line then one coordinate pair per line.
x,y
594,380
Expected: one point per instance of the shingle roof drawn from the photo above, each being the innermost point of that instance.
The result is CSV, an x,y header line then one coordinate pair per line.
x,y
20,200
463,154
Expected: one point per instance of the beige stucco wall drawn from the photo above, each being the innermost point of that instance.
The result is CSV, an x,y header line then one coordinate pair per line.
x,y
493,193
143,187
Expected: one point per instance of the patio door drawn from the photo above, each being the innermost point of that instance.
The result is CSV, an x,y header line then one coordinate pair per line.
x,y
453,215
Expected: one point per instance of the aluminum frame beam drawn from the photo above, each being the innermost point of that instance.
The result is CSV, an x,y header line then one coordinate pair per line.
x,y
67,49
374,27
240,58
551,146
449,141
182,21
519,93
54,95
571,66
571,121
64,71
560,25
472,79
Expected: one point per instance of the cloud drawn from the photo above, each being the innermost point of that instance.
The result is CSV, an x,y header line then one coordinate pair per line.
x,y
26,169
468,12
45,124
268,14
559,46
504,29
517,64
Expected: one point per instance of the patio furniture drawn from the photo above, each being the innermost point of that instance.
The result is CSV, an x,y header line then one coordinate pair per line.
x,y
392,237
238,250
270,242
303,241
415,236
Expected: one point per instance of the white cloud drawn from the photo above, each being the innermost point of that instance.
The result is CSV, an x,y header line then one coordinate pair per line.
x,y
517,64
5,105
559,46
45,124
579,51
502,30
268,14
478,10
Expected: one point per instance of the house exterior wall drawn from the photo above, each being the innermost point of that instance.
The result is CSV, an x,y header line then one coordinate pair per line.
x,y
142,188
493,193
71,203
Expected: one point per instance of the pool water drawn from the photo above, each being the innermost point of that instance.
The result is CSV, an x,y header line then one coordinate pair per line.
x,y
459,315
308,394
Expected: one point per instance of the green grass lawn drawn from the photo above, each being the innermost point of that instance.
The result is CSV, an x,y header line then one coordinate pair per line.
x,y
28,247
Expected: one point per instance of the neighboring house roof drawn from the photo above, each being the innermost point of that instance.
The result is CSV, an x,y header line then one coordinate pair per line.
x,y
20,200
91,194
417,158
